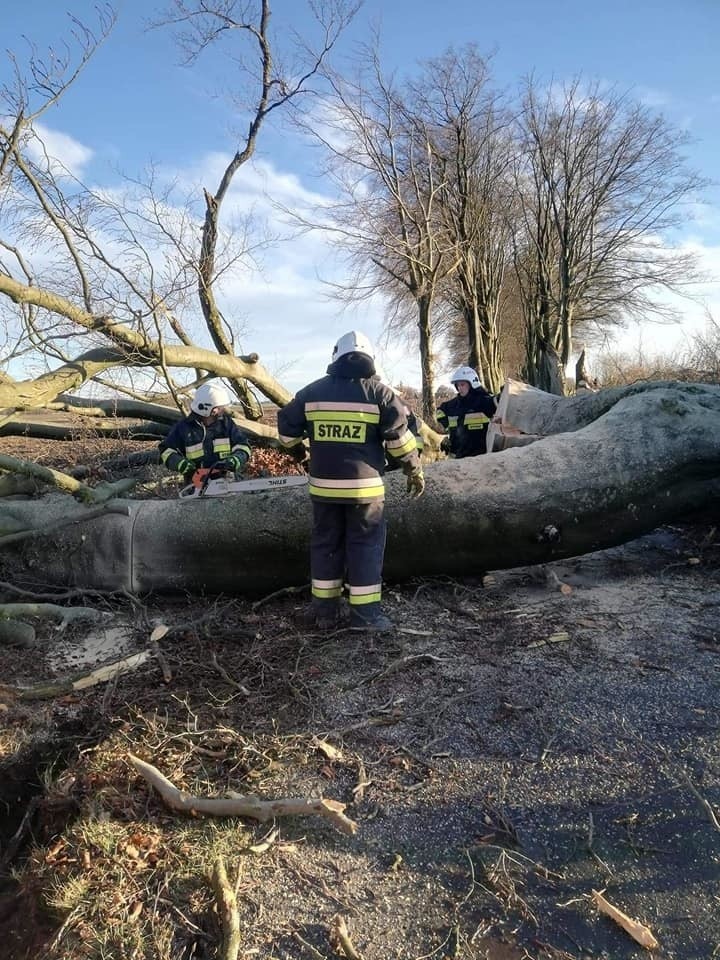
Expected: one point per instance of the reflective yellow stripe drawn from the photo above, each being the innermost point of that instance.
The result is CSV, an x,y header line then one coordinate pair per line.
x,y
325,584
349,493
398,448
242,448
356,599
349,415
348,482
440,415
476,418
420,444
290,441
452,421
340,405
166,454
476,426
326,593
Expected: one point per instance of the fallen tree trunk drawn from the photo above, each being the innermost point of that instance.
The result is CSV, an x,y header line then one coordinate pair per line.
x,y
651,456
526,414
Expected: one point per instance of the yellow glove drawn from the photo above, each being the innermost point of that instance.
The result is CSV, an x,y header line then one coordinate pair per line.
x,y
416,483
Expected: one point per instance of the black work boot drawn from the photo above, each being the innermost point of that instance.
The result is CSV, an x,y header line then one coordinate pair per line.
x,y
323,615
370,618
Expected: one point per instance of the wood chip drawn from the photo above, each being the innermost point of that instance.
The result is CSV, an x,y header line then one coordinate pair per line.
x,y
327,749
553,638
638,931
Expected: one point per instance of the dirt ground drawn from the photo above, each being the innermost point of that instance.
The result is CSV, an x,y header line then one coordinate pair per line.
x,y
517,743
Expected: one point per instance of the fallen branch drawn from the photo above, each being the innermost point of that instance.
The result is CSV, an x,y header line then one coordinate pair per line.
x,y
17,633
237,805
99,494
66,615
228,910
60,688
62,595
638,931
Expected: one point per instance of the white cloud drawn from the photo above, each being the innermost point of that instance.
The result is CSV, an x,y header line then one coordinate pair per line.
x,y
63,153
673,338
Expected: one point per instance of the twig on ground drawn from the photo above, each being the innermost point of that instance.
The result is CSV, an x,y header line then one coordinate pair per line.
x,y
358,790
705,804
158,632
16,840
402,662
283,592
236,805
227,678
308,946
590,848
340,938
228,910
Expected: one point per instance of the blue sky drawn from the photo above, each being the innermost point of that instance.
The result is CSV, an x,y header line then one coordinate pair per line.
x,y
134,104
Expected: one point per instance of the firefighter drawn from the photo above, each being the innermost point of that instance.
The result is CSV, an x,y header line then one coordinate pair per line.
x,y
351,420
466,416
207,437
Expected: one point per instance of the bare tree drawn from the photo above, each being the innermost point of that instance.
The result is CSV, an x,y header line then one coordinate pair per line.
x,y
103,283
601,180
380,148
473,141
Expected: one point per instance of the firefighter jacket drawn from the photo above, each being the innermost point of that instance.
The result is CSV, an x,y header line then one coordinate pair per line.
x,y
202,446
466,420
415,427
351,420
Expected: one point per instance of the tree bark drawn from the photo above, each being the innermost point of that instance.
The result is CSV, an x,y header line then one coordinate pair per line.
x,y
426,358
609,467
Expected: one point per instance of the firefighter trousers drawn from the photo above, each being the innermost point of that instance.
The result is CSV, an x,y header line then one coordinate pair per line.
x,y
347,543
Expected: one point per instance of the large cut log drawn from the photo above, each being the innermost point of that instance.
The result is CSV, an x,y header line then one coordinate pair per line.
x,y
651,456
526,414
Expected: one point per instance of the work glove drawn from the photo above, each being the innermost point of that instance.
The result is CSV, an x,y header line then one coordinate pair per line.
x,y
184,466
235,463
299,453
445,444
416,483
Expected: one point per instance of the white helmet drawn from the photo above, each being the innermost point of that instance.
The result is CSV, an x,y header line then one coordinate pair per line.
x,y
353,342
466,373
208,396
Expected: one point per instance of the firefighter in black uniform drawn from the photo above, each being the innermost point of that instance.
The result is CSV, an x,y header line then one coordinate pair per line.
x,y
351,420
466,416
207,437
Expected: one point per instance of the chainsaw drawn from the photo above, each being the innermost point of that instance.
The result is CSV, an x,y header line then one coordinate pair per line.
x,y
207,483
